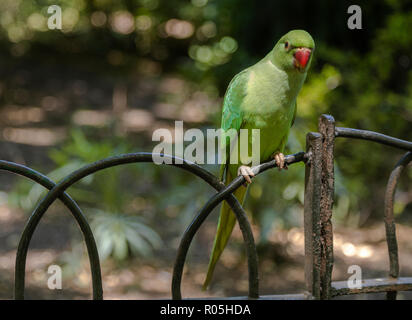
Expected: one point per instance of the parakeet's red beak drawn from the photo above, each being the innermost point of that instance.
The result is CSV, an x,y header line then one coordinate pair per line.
x,y
302,56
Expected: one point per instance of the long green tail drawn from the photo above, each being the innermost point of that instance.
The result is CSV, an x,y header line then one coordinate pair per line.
x,y
227,221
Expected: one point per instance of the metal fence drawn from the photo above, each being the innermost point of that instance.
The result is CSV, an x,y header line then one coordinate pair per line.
x,y
318,204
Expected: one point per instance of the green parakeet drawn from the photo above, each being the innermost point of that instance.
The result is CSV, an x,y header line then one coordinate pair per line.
x,y
263,97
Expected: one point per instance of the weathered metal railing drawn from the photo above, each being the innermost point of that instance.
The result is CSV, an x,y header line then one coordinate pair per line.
x,y
318,213
318,204
224,192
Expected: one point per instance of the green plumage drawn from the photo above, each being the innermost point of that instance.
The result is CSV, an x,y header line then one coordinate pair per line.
x,y
263,97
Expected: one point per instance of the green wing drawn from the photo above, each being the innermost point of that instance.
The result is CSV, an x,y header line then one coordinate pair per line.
x,y
232,115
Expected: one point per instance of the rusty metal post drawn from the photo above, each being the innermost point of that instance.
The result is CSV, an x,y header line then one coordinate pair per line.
x,y
312,221
390,220
327,130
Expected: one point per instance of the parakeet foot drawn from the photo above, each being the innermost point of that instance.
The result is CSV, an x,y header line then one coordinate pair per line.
x,y
246,172
280,161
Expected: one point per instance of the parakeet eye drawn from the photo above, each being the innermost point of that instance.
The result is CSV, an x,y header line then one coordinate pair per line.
x,y
286,45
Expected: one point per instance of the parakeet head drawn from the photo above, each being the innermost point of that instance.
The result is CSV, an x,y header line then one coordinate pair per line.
x,y
294,51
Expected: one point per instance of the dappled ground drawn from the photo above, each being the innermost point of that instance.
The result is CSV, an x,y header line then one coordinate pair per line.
x,y
45,102
281,262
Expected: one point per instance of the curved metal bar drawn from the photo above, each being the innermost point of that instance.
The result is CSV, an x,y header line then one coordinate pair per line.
x,y
77,214
194,227
58,189
373,136
389,216
225,193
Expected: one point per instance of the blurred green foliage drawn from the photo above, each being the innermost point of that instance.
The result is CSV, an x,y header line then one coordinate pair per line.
x,y
361,77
